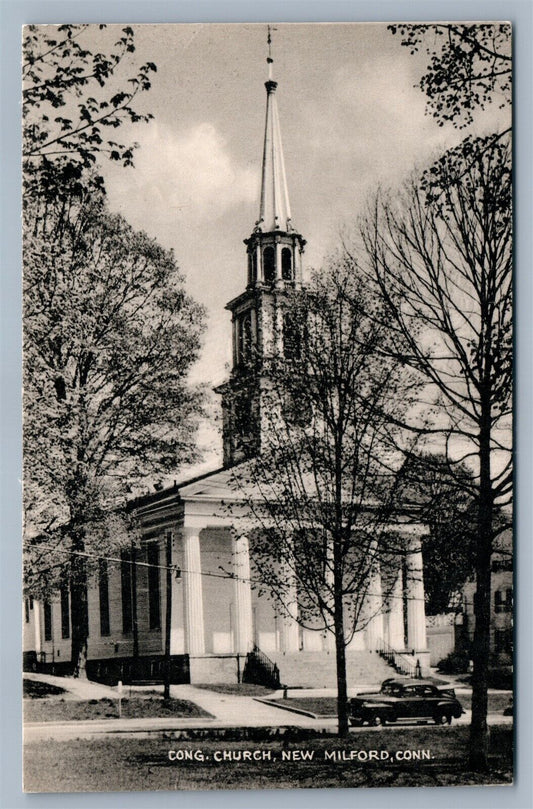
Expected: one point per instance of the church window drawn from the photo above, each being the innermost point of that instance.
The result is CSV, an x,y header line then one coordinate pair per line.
x,y
126,590
47,609
269,265
154,604
27,610
286,264
103,591
291,338
245,338
503,600
252,267
65,611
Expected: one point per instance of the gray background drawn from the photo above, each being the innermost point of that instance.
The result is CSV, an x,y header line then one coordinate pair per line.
x,y
13,16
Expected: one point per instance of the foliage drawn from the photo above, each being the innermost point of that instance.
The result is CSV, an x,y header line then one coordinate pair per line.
x,y
469,67
454,663
110,335
74,98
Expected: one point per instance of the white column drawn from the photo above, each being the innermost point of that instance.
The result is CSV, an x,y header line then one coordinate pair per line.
x,y
37,626
176,606
416,613
192,577
243,595
278,247
395,637
374,607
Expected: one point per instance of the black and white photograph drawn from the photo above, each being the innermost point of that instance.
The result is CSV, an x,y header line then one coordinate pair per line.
x,y
267,406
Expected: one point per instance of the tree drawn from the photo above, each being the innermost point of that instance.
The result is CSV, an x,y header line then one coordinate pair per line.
x,y
470,66
319,492
72,97
441,257
109,337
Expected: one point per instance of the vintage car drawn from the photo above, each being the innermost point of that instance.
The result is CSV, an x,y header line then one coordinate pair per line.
x,y
401,698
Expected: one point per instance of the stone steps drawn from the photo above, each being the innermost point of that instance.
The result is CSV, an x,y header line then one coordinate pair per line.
x,y
317,669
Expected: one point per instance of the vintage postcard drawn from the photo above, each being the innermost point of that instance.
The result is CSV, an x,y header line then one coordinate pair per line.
x,y
267,406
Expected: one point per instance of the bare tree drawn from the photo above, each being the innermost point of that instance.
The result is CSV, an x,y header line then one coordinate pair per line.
x,y
441,258
324,477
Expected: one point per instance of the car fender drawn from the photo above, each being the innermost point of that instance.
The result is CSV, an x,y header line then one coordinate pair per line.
x,y
454,708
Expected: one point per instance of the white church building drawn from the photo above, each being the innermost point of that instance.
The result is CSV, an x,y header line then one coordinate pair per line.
x,y
217,626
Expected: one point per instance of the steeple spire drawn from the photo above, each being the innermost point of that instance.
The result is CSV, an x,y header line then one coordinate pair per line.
x,y
275,209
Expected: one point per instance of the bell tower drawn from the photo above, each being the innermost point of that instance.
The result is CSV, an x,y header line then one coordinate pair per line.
x,y
274,270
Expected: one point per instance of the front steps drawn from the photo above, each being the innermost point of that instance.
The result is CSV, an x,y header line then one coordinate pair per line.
x,y
318,670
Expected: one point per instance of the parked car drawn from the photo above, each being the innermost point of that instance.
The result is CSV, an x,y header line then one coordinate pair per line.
x,y
401,698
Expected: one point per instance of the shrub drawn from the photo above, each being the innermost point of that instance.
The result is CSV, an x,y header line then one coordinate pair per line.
x,y
454,663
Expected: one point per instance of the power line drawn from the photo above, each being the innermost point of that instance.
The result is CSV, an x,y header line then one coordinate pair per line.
x,y
178,569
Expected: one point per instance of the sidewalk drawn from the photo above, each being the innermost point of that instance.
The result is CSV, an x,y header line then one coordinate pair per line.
x,y
227,710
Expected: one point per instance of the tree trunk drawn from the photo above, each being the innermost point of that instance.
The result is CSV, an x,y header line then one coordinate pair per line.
x,y
340,646
79,609
479,736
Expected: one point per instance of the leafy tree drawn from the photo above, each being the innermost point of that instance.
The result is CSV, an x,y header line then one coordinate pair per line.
x,y
320,490
441,256
109,337
74,98
470,66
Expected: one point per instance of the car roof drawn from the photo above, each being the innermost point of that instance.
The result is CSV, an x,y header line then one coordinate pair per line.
x,y
410,681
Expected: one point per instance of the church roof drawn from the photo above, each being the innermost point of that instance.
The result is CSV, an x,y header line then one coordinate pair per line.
x,y
274,209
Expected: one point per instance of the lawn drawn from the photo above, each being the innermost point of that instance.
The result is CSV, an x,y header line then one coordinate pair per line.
x,y
134,708
128,764
35,689
237,689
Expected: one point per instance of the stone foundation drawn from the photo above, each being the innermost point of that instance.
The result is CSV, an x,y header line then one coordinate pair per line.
x,y
216,669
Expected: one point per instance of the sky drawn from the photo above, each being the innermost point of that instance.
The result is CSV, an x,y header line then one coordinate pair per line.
x,y
351,118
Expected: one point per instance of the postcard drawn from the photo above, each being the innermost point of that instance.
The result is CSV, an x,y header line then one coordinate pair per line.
x,y
267,406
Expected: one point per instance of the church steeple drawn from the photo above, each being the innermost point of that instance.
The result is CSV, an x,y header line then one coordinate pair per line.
x,y
261,327
274,248
275,209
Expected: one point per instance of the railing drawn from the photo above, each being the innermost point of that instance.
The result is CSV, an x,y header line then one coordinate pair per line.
x,y
401,661
260,669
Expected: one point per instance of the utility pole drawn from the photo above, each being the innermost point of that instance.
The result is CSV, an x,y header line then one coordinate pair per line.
x,y
168,562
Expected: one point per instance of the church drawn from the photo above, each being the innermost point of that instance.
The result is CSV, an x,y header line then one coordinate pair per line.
x,y
188,594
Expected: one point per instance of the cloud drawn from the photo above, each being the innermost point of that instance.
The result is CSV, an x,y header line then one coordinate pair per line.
x,y
180,179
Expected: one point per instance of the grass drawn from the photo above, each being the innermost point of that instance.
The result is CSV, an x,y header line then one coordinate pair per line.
x,y
143,764
34,689
319,706
134,708
237,689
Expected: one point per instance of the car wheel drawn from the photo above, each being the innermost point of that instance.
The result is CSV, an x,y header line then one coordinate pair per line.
x,y
443,719
377,721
